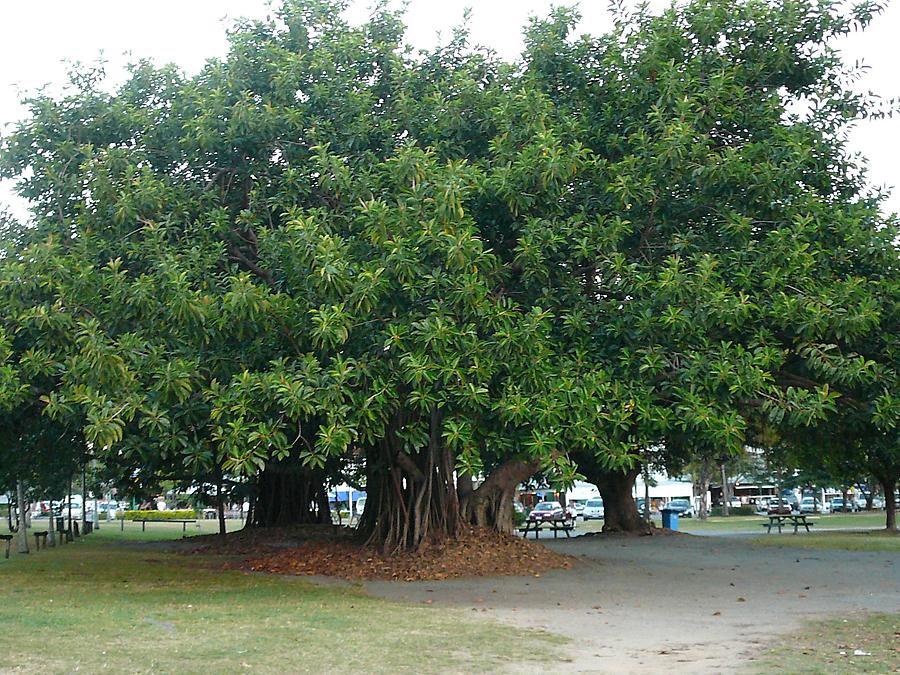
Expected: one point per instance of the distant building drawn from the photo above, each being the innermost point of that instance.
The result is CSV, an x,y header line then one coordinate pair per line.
x,y
664,489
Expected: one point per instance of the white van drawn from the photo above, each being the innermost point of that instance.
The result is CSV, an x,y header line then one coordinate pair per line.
x,y
61,509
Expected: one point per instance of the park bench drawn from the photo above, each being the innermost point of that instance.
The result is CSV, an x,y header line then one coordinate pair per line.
x,y
8,539
555,526
144,521
780,521
40,537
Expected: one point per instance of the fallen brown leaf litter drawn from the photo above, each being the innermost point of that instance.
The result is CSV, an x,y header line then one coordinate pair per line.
x,y
477,552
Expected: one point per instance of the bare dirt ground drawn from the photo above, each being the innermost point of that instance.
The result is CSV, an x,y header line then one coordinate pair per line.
x,y
678,603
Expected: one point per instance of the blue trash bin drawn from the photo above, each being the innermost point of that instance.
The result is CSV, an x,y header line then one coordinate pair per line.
x,y
670,519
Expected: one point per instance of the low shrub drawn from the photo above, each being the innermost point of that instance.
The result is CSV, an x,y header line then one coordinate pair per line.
x,y
160,515
733,511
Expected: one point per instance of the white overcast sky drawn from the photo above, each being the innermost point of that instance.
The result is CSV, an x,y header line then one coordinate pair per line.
x,y
37,37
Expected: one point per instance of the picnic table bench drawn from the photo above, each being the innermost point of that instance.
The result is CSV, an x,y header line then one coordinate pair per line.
x,y
8,539
535,525
144,521
785,520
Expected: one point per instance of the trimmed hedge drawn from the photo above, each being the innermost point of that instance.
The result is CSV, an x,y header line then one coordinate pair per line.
x,y
733,511
160,515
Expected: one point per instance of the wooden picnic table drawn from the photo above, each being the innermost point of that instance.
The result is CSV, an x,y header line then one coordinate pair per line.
x,y
797,520
535,525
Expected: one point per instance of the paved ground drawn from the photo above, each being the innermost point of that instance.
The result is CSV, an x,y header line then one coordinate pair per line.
x,y
686,603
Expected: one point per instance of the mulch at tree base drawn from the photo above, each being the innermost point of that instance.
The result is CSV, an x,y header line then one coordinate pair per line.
x,y
476,553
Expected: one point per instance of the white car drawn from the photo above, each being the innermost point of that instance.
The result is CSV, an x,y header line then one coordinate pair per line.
x,y
593,509
812,505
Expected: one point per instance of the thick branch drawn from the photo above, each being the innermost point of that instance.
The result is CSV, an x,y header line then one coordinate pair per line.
x,y
406,463
238,257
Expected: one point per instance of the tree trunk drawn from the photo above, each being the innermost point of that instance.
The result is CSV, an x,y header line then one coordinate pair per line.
x,y
83,497
464,487
889,484
620,510
69,528
51,528
491,505
220,505
725,500
870,496
251,510
410,498
288,493
23,526
647,494
323,507
846,505
704,495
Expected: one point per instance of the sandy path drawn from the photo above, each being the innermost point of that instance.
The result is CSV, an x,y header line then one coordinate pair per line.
x,y
691,604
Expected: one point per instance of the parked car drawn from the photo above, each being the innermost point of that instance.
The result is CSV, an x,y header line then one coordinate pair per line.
x,y
577,507
682,507
779,506
551,511
593,509
837,505
812,505
640,505
103,508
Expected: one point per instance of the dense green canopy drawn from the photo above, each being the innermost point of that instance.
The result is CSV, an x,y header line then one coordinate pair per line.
x,y
327,252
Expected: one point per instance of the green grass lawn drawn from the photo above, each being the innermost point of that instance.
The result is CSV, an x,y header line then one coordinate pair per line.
x,y
871,520
752,524
876,540
107,603
833,647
